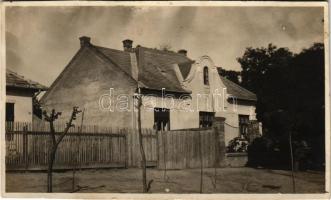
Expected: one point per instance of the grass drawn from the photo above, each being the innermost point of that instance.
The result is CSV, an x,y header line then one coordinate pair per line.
x,y
229,180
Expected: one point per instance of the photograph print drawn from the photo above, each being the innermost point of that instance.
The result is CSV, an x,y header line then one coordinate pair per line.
x,y
165,99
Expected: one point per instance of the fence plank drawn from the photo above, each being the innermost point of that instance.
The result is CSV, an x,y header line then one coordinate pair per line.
x,y
106,147
32,150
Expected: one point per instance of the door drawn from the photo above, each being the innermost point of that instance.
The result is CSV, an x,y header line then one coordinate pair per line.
x,y
161,119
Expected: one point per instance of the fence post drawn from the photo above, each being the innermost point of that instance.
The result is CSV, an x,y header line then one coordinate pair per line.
x,y
220,141
201,163
157,148
126,147
25,147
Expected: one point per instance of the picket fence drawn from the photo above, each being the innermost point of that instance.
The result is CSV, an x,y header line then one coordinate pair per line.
x,y
27,148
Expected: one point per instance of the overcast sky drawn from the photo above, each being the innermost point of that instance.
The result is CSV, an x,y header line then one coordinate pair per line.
x,y
42,40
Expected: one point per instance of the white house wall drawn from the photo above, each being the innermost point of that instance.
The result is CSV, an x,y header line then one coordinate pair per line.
x,y
215,97
181,116
231,126
210,98
22,108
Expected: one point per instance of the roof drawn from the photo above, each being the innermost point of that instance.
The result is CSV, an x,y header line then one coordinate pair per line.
x,y
238,91
15,80
121,58
155,67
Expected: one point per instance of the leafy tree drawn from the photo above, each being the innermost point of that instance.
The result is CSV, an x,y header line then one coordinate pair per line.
x,y
305,100
290,92
263,73
232,75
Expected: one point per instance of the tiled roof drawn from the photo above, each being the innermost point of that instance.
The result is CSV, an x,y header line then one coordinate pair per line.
x,y
121,58
238,91
155,67
15,80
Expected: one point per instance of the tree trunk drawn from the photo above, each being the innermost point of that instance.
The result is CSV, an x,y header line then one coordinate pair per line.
x,y
55,143
142,152
50,171
164,155
292,161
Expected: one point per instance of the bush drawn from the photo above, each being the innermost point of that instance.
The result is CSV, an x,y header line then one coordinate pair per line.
x,y
269,153
275,154
237,145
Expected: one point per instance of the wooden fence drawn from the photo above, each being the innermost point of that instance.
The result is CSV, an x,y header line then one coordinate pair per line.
x,y
186,149
30,150
27,147
150,143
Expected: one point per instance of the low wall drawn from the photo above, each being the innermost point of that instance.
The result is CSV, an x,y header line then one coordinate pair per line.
x,y
236,159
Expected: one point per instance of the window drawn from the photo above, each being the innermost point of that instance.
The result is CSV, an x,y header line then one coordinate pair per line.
x,y
161,119
9,112
206,119
205,76
243,125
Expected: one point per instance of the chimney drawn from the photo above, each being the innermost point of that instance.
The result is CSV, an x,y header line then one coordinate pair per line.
x,y
127,45
85,41
183,52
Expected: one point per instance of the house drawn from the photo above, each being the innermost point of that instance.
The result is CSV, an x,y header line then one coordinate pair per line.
x,y
19,97
240,114
104,82
177,92
220,97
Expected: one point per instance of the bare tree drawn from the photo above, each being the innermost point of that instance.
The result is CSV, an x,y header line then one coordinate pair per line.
x,y
165,177
56,141
146,187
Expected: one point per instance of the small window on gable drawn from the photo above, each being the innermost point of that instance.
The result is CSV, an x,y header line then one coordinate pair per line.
x,y
205,76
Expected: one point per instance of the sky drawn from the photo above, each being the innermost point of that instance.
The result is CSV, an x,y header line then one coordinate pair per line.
x,y
40,41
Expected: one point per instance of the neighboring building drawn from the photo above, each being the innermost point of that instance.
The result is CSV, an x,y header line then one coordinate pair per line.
x,y
19,94
103,81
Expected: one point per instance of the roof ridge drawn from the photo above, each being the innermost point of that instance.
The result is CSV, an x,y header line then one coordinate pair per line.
x,y
147,48
165,52
120,51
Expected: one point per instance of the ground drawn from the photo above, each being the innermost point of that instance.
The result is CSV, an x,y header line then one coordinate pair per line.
x,y
229,180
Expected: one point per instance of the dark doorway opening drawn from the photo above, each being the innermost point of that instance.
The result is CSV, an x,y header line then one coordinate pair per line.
x,y
206,119
10,112
243,125
161,119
